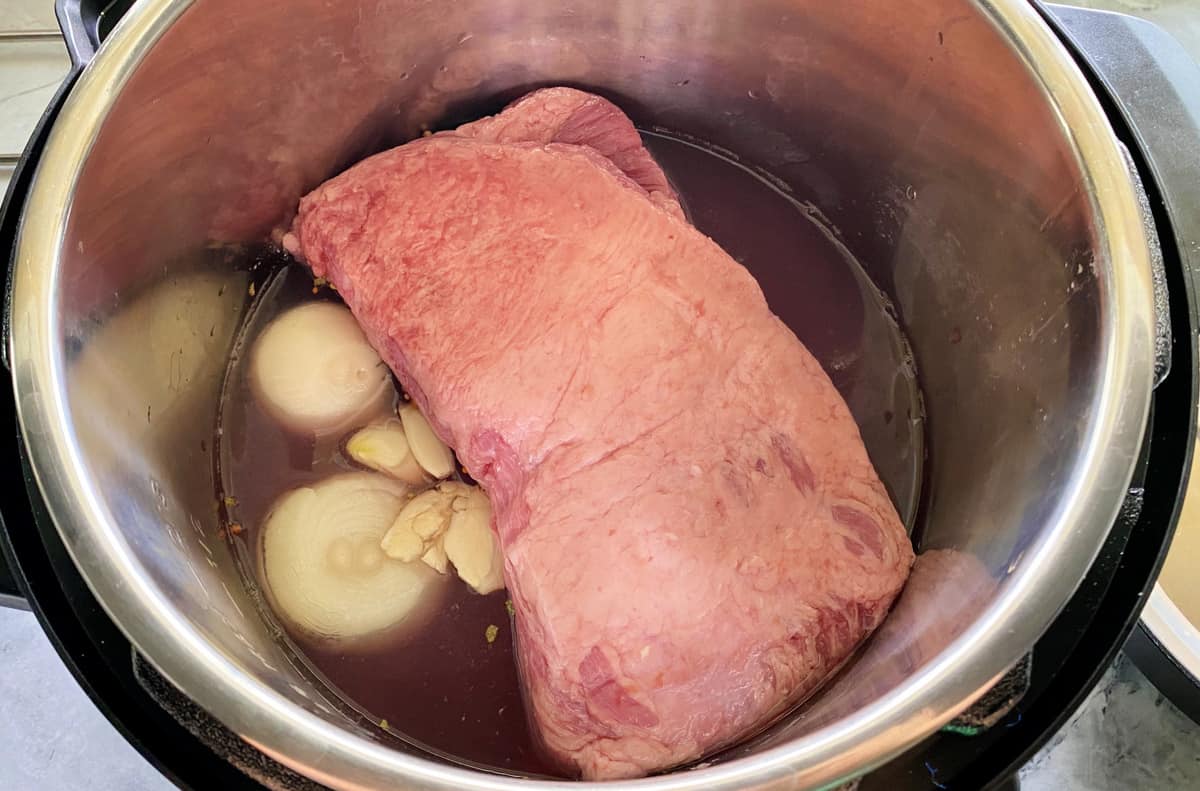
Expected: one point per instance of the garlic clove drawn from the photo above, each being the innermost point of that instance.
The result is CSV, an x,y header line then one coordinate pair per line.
x,y
435,557
456,491
471,544
431,453
430,524
383,447
402,544
417,525
451,523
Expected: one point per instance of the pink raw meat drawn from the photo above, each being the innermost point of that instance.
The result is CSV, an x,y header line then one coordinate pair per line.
x,y
564,115
694,537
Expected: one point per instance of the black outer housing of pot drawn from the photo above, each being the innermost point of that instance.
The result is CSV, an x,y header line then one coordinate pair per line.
x,y
1162,84
1067,661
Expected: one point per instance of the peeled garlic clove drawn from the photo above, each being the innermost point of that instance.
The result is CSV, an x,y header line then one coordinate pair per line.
x,y
449,524
430,525
472,546
314,371
455,493
384,447
322,564
401,544
418,524
435,557
431,453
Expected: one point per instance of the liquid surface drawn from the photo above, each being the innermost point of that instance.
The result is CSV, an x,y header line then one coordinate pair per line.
x,y
444,686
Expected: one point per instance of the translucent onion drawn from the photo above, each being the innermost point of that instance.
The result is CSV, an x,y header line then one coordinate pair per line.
x,y
324,569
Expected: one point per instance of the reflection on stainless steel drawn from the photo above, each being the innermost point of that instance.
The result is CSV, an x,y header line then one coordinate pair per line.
x,y
148,421
943,597
953,143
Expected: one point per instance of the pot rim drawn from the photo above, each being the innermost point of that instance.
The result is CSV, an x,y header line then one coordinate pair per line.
x,y
1036,589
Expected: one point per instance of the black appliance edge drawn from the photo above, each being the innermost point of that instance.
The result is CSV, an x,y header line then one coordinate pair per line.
x,y
1158,84
1150,89
1087,635
83,23
79,21
31,555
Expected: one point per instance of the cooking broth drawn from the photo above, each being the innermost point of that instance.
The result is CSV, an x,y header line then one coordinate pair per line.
x,y
445,687
450,686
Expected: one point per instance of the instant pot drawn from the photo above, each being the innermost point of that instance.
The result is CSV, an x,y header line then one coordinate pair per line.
x,y
1018,178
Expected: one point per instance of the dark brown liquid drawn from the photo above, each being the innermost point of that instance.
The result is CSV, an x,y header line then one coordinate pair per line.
x,y
445,687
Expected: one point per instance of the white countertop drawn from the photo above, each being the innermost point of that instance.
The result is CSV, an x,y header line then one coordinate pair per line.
x,y
52,737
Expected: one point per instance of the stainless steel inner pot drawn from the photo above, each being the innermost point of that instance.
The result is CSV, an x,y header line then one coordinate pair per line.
x,y
953,144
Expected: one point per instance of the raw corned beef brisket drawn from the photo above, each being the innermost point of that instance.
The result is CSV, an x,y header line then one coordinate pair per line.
x,y
694,537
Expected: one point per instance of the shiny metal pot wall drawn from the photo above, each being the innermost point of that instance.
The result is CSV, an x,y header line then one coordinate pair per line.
x,y
953,143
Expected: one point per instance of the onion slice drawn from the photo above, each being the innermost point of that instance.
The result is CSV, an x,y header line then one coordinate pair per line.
x,y
313,370
323,566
